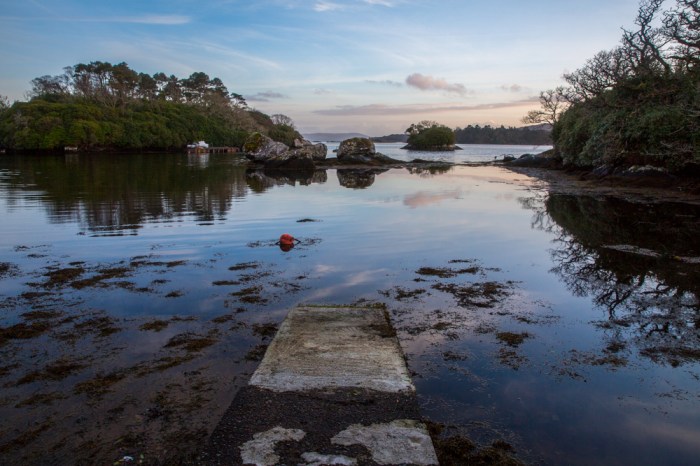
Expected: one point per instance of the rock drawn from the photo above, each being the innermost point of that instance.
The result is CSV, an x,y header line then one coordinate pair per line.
x,y
645,170
261,148
356,146
547,159
317,152
361,151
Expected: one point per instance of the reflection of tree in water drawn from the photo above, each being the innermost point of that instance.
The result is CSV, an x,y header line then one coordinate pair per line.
x,y
430,170
115,192
651,301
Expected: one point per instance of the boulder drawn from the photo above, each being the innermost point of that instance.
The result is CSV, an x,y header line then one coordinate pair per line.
x,y
547,159
273,154
260,148
316,151
361,151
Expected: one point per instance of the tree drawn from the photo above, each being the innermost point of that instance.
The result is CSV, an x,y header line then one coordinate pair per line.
x,y
553,102
643,46
48,85
430,135
280,119
682,26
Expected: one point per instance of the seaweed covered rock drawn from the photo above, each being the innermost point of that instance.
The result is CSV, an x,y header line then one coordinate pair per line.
x,y
316,151
361,151
260,148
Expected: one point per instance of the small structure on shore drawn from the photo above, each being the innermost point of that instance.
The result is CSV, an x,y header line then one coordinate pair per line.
x,y
199,147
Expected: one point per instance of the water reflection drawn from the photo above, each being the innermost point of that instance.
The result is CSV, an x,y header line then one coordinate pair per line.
x,y
358,178
116,195
632,259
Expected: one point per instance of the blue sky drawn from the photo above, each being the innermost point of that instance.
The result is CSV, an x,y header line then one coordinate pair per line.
x,y
371,66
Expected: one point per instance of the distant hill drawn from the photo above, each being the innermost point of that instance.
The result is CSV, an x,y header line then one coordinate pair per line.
x,y
392,138
333,137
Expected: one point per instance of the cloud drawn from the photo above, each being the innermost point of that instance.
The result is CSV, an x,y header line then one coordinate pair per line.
x,y
327,6
430,83
379,109
319,91
512,87
266,96
421,198
386,82
385,3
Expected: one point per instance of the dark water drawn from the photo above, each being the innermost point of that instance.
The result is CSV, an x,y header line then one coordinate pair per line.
x,y
567,326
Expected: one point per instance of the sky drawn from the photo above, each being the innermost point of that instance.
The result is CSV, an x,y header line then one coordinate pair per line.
x,y
367,66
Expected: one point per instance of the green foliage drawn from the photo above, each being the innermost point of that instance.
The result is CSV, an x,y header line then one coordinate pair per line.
x,y
284,133
103,106
638,104
429,135
50,125
650,121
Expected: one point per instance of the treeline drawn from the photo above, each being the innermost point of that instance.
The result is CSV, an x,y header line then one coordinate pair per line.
x,y
476,134
104,106
118,84
637,104
502,135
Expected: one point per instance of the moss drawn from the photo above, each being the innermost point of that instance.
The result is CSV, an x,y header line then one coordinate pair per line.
x,y
511,338
39,315
190,342
25,438
244,266
256,353
62,276
226,283
104,326
23,331
459,450
253,143
265,330
100,384
154,325
40,399
57,370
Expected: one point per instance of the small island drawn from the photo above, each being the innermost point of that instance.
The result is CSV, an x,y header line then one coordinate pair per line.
x,y
430,136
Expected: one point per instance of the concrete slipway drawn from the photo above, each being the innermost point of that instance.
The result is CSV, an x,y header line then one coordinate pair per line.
x,y
332,389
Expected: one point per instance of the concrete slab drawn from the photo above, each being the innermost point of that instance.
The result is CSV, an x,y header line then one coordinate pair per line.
x,y
332,389
334,347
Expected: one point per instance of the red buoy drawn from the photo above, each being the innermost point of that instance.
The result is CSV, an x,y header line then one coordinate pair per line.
x,y
286,240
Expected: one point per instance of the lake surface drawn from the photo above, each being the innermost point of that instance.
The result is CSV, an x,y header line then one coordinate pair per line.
x,y
138,293
465,153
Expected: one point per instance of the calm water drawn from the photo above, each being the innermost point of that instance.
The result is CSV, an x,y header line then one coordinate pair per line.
x,y
465,153
518,319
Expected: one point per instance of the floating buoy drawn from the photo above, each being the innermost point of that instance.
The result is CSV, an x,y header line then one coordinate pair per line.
x,y
286,240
